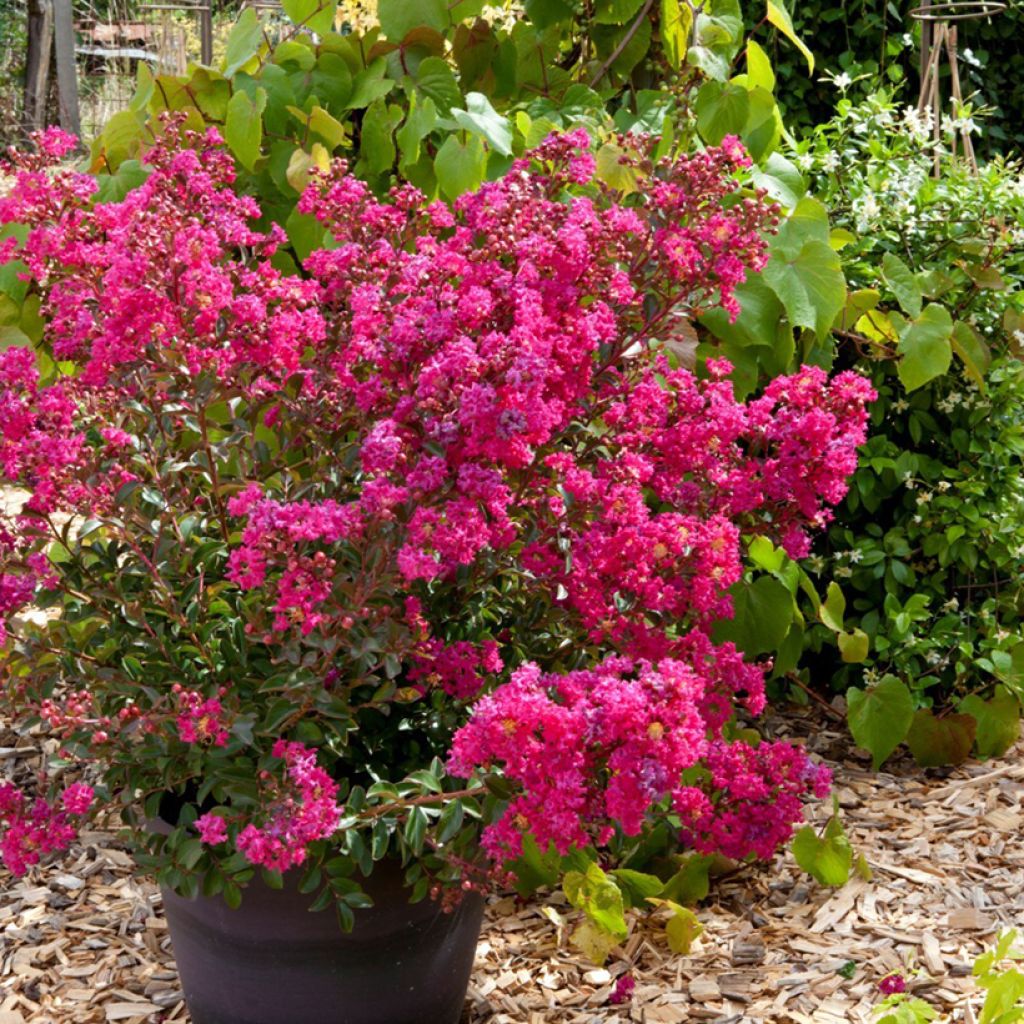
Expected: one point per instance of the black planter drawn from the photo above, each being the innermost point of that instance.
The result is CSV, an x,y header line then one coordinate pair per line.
x,y
273,961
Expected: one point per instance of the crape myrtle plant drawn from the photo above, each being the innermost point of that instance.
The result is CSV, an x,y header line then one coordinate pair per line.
x,y
415,554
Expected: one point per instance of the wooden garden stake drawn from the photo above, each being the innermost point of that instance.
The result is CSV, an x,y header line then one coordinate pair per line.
x,y
938,39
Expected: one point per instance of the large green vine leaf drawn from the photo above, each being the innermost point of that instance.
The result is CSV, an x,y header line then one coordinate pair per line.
x,y
880,716
925,346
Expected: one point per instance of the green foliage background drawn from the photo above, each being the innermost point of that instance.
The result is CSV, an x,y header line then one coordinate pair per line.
x,y
866,37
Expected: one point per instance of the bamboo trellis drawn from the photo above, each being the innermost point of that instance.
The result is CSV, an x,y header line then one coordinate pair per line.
x,y
939,38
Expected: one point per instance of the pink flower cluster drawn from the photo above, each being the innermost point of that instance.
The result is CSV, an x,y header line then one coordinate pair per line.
x,y
596,751
590,749
41,446
106,309
751,798
273,545
639,570
302,808
201,719
447,397
35,829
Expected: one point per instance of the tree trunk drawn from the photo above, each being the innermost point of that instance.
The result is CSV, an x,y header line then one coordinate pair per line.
x,y
37,63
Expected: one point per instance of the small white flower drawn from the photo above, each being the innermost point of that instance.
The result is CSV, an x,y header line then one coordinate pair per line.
x,y
867,209
901,405
951,605
908,39
805,161
842,571
968,55
855,555
918,123
924,498
843,81
943,485
830,162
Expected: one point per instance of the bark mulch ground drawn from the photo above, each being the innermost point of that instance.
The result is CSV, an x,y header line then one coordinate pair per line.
x,y
85,943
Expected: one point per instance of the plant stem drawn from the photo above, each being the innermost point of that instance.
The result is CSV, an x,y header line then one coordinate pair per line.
x,y
623,43
795,679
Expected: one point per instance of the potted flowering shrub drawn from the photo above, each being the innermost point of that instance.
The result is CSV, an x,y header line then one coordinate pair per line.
x,y
392,580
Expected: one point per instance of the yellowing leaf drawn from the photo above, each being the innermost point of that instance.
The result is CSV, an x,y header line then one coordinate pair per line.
x,y
594,943
854,646
243,127
759,67
302,164
676,25
779,17
682,928
614,172
877,327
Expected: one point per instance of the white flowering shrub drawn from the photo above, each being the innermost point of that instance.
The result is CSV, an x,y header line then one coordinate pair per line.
x,y
923,628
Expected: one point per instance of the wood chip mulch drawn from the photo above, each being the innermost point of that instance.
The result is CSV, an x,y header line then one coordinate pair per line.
x,y
85,943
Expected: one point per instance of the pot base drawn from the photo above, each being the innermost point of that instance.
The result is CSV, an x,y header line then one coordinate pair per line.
x,y
273,961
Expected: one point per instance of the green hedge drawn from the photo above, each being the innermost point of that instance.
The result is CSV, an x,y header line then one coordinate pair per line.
x,y
867,37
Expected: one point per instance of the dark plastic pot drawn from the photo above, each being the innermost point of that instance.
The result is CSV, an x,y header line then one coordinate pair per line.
x,y
273,961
